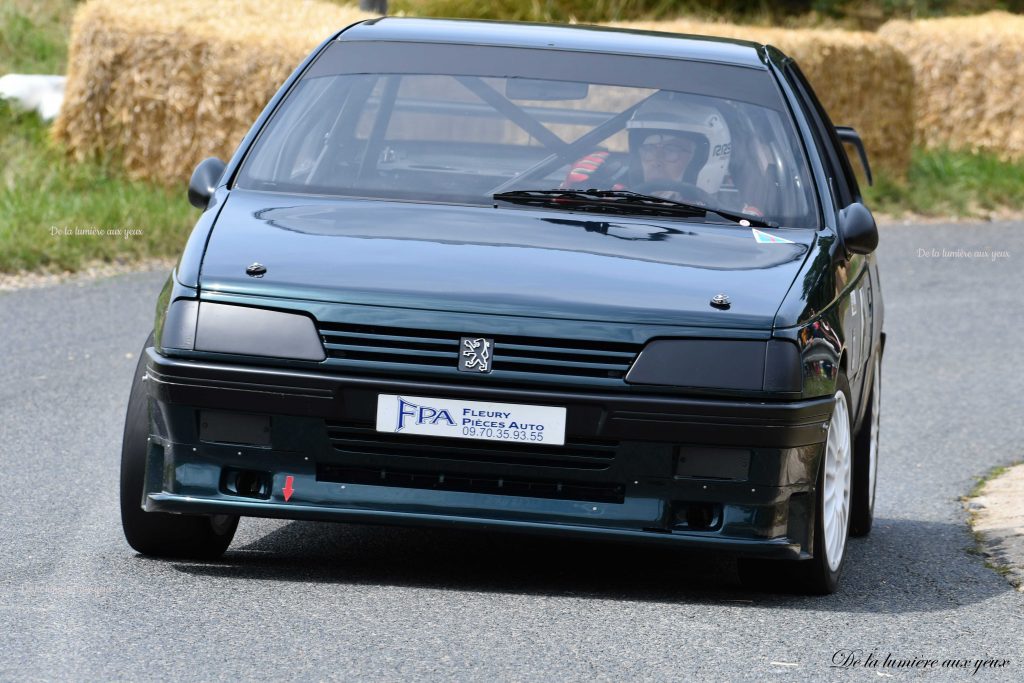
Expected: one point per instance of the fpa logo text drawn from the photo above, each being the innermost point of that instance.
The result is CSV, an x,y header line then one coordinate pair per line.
x,y
410,413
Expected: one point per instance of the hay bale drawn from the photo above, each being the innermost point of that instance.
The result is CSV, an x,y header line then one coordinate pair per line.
x,y
861,80
163,84
970,81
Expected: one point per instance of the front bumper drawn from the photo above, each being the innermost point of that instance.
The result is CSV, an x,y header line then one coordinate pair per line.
x,y
706,473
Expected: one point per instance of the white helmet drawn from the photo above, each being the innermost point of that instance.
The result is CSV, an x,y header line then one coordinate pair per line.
x,y
676,113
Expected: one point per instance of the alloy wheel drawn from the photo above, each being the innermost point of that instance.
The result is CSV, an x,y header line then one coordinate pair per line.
x,y
838,471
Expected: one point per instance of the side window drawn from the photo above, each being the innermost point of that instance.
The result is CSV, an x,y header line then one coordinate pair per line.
x,y
836,162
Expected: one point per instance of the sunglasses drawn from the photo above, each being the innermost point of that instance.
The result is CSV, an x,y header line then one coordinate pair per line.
x,y
669,152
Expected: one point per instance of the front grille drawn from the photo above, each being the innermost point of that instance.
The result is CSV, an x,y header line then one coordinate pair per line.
x,y
363,345
576,454
521,486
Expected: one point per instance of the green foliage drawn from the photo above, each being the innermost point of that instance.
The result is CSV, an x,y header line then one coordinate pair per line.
x,y
861,14
945,182
34,35
590,11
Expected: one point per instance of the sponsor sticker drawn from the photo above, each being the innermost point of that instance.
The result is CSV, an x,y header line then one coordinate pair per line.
x,y
767,238
400,414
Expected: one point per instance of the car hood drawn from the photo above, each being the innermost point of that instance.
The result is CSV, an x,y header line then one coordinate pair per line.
x,y
505,260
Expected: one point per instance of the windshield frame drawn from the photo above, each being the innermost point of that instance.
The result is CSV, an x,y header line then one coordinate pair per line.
x,y
742,83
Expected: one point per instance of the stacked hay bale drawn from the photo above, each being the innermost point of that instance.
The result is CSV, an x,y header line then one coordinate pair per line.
x,y
163,84
861,80
970,79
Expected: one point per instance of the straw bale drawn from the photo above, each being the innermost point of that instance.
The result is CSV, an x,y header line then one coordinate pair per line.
x,y
970,80
163,84
861,80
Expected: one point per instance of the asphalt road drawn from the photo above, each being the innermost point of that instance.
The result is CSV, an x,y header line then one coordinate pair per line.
x,y
330,601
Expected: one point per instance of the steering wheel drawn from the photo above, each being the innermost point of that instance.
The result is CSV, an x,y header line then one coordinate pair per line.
x,y
683,192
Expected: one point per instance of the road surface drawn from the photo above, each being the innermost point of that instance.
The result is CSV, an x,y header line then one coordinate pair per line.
x,y
329,601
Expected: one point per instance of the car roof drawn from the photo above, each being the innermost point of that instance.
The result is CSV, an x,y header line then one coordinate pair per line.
x,y
560,37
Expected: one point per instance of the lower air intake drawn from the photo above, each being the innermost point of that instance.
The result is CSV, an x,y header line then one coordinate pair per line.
x,y
531,488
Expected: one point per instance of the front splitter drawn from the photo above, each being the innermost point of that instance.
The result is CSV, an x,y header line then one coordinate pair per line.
x,y
781,549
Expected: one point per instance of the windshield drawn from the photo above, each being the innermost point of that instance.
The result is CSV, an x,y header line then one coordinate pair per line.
x,y
439,125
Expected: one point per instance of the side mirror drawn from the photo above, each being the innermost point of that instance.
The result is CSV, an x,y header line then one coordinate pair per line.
x,y
857,229
204,181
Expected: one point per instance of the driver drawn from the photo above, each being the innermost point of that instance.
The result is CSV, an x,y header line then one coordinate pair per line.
x,y
679,148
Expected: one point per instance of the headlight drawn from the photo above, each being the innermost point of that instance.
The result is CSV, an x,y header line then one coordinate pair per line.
x,y
719,364
257,332
243,330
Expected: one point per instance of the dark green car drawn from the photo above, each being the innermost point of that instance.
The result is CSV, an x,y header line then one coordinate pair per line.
x,y
556,280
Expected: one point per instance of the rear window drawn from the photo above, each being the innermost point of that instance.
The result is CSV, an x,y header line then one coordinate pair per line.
x,y
445,123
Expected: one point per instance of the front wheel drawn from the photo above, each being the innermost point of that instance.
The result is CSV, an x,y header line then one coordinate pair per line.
x,y
832,523
820,574
157,533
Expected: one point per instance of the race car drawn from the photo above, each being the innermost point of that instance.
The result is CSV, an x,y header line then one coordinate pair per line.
x,y
563,280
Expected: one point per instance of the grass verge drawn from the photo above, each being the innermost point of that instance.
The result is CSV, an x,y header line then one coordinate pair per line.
x,y
950,183
35,35
982,545
56,214
980,482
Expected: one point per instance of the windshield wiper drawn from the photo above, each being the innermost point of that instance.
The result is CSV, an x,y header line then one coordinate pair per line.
x,y
606,201
623,201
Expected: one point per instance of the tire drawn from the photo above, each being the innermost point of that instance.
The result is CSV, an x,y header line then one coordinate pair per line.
x,y
865,458
820,574
200,537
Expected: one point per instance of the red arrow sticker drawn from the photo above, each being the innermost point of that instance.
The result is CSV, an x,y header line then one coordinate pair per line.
x,y
288,490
